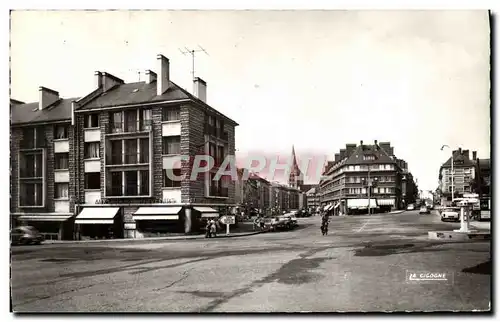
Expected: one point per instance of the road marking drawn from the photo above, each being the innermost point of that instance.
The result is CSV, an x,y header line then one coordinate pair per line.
x,y
362,227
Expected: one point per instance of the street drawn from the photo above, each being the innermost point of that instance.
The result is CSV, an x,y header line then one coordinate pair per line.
x,y
362,265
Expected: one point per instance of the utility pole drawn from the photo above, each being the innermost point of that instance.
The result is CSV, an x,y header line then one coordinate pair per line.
x,y
369,190
192,52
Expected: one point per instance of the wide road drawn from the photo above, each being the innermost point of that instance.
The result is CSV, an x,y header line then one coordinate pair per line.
x,y
362,265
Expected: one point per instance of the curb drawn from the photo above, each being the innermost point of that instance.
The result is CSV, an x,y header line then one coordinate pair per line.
x,y
149,239
458,236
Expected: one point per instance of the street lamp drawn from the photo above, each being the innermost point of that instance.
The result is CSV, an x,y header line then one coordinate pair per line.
x,y
452,171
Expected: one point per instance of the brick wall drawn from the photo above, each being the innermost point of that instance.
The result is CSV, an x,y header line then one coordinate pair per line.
x,y
157,177
48,132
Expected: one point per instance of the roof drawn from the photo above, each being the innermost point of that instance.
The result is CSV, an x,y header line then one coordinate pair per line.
x,y
29,113
380,154
484,164
141,92
457,156
307,187
311,191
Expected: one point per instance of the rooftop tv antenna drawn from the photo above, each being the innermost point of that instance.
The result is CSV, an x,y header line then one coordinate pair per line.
x,y
192,52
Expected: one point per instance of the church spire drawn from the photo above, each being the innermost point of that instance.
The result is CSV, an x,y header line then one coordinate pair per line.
x,y
296,178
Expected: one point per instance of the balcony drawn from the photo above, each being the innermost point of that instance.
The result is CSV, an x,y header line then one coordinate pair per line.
x,y
92,135
171,128
61,146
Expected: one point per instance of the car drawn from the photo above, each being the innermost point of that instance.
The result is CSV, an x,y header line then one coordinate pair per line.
x,y
410,207
25,235
450,213
424,210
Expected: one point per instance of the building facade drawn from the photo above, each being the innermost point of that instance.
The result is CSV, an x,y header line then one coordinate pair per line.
x,y
253,193
284,198
464,175
42,165
126,160
355,170
313,201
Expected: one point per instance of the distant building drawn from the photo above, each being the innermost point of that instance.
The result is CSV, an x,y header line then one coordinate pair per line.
x,y
464,175
296,178
345,187
313,201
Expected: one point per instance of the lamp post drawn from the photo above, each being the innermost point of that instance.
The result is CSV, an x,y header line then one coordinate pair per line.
x,y
452,171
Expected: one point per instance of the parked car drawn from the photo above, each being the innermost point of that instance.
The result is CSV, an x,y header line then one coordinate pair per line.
x,y
450,213
25,235
410,207
271,223
424,210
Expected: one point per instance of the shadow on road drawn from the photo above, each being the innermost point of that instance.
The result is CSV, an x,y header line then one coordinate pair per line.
x,y
483,268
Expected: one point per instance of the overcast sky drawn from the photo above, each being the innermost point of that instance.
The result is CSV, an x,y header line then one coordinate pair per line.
x,y
315,79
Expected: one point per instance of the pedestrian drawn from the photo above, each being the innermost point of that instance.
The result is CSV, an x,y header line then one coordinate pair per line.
x,y
207,229
213,228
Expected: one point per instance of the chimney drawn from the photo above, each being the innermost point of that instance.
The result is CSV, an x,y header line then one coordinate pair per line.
x,y
337,157
150,76
108,81
349,148
459,150
98,79
474,155
200,89
376,142
163,81
361,142
47,97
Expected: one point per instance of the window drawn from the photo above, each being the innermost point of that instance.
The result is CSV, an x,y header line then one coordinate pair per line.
x,y
220,155
91,121
116,122
61,161
382,190
368,157
170,178
30,194
171,114
131,121
61,190
116,152
131,151
116,184
92,150
93,180
146,120
144,152
144,182
171,145
356,168
28,140
212,150
131,183
60,132
31,165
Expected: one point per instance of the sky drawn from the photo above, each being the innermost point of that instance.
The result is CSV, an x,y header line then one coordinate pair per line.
x,y
313,79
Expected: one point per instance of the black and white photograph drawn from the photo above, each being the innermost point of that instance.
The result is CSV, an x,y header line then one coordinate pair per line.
x,y
250,161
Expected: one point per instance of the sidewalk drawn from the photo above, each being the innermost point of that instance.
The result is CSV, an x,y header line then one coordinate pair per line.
x,y
220,234
397,212
483,225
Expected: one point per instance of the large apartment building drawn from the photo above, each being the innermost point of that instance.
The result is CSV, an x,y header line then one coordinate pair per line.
x,y
134,146
42,164
354,170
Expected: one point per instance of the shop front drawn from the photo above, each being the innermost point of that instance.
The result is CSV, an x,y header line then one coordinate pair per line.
x,y
53,226
99,223
158,221
386,205
202,215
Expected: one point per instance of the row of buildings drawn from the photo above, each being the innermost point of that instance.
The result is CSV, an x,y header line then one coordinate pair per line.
x,y
255,194
363,176
471,175
96,166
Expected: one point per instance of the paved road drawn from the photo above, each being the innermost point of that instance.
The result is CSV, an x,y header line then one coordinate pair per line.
x,y
362,265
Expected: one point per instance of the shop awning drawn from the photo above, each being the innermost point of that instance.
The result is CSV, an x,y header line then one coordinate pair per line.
x,y
386,202
97,215
207,212
330,207
325,207
337,205
361,203
157,213
45,217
